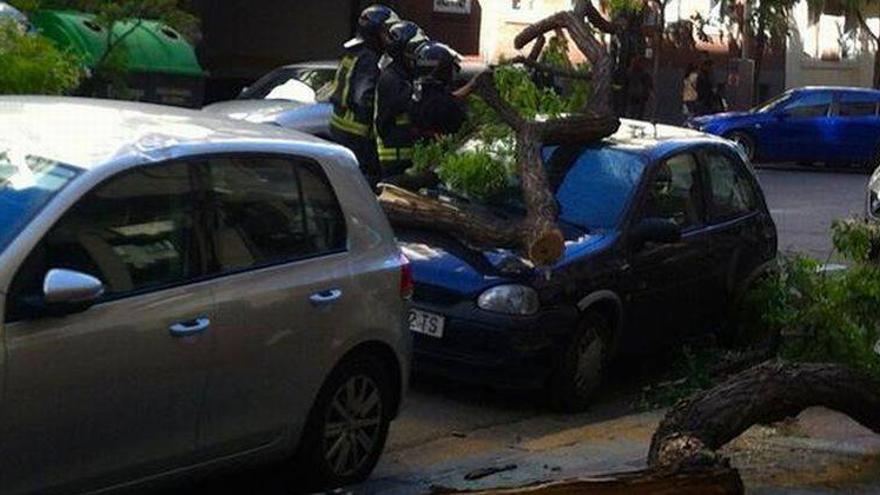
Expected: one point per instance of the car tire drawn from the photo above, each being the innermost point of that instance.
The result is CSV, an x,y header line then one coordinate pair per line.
x,y
346,429
745,141
576,379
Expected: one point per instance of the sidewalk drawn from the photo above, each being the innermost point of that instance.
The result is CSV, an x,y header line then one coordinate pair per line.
x,y
820,452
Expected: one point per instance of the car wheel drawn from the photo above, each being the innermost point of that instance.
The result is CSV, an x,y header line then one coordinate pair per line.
x,y
347,427
744,141
579,373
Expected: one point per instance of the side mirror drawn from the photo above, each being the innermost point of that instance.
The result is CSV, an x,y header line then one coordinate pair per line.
x,y
657,230
64,292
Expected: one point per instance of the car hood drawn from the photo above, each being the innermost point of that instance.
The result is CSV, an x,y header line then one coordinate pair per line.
x,y
444,263
257,111
721,116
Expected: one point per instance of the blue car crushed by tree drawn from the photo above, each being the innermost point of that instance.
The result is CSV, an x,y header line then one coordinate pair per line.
x,y
663,226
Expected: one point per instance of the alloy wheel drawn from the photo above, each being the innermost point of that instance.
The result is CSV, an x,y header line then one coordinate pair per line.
x,y
352,426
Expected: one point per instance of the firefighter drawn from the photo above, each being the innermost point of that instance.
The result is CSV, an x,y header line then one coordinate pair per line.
x,y
393,126
437,108
354,88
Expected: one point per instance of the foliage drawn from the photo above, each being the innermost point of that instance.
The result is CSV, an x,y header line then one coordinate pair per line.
x,y
689,371
33,65
618,7
108,74
474,174
479,161
827,316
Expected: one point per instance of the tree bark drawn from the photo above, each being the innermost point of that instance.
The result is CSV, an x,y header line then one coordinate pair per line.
x,y
475,224
712,481
764,394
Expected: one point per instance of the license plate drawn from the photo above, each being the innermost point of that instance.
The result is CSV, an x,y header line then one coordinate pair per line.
x,y
426,323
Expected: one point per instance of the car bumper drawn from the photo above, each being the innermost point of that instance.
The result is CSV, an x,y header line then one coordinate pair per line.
x,y
508,352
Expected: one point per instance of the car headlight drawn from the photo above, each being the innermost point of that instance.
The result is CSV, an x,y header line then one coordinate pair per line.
x,y
873,204
510,299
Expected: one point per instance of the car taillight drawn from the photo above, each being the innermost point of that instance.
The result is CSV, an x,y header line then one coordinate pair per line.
x,y
407,284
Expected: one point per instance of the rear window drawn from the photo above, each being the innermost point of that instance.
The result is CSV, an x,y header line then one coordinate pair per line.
x,y
27,184
857,105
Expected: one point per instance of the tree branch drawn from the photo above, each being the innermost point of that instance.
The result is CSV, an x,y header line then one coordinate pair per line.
x,y
867,28
549,69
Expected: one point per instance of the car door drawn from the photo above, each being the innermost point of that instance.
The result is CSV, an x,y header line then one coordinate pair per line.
x,y
800,129
112,393
739,239
856,126
283,287
669,280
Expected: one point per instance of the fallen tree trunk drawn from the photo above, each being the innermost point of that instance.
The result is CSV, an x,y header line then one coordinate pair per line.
x,y
713,481
477,225
761,395
683,456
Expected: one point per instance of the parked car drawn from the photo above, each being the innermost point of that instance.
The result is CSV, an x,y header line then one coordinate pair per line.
x,y
662,232
817,124
296,97
182,292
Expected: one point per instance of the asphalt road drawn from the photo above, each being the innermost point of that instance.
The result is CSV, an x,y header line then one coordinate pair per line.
x,y
803,202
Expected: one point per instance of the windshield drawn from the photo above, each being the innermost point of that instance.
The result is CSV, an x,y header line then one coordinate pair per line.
x,y
598,185
773,103
27,183
593,184
301,84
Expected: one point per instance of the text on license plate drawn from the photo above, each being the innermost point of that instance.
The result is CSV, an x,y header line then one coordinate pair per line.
x,y
426,323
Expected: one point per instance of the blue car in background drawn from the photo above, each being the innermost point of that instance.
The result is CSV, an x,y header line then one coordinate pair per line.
x,y
816,124
664,227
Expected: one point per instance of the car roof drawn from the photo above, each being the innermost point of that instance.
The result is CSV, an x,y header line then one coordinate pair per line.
x,y
88,133
317,64
850,89
654,141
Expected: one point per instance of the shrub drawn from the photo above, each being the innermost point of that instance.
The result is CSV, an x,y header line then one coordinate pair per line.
x,y
827,316
33,65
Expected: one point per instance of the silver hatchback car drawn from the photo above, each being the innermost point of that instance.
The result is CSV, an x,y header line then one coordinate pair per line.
x,y
181,292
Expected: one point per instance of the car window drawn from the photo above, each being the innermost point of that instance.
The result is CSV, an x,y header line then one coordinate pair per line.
x,y
674,192
857,105
134,232
731,193
814,104
271,210
594,184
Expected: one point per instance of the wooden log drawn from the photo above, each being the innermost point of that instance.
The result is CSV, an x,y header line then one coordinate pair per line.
x,y
719,480
764,394
471,223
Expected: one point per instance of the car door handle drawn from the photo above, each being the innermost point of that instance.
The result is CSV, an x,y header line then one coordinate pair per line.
x,y
324,298
191,327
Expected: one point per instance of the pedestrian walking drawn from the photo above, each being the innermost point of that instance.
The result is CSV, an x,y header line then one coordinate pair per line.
x,y
705,88
351,124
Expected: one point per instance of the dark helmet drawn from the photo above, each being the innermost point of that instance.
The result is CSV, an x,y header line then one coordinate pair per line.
x,y
374,21
402,37
437,61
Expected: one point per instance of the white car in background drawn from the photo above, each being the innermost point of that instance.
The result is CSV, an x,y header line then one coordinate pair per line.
x,y
294,97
